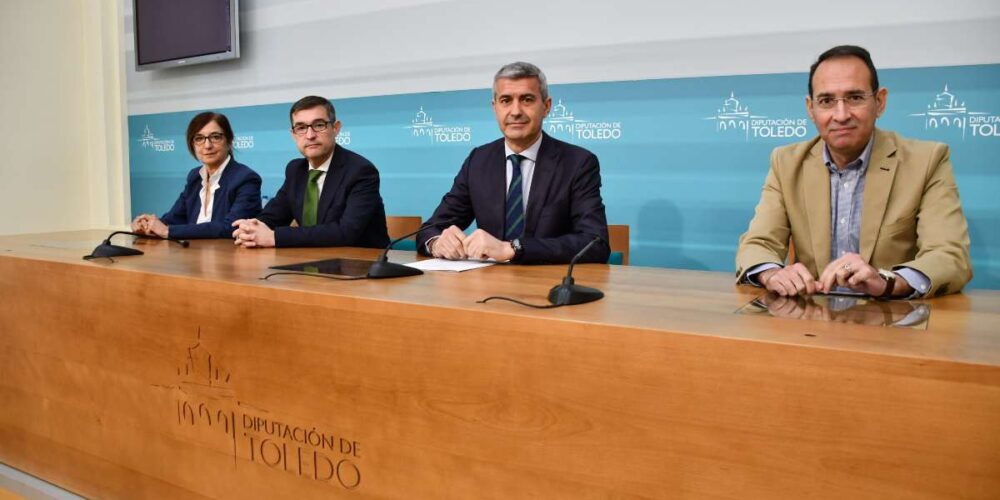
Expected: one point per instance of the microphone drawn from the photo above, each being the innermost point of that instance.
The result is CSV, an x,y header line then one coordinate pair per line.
x,y
382,268
568,292
106,249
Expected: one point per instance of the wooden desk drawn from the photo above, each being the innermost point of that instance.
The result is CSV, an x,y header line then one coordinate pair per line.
x,y
181,374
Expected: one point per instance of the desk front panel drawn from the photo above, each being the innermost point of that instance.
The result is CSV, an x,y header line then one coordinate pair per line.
x,y
181,374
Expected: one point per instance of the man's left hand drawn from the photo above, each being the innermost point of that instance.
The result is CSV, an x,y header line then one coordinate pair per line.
x,y
851,271
482,245
252,233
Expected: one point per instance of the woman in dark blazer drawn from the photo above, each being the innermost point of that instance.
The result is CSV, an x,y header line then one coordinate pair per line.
x,y
217,193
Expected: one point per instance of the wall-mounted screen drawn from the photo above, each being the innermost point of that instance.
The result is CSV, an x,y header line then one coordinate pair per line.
x,y
184,32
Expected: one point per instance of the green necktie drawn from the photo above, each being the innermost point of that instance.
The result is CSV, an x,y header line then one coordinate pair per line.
x,y
312,199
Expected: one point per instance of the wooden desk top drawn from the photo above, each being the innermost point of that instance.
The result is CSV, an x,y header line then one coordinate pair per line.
x,y
962,328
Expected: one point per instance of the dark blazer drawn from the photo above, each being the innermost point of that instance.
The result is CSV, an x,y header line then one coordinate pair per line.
x,y
238,197
350,212
564,211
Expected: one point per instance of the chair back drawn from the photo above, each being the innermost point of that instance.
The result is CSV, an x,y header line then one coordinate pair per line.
x,y
618,239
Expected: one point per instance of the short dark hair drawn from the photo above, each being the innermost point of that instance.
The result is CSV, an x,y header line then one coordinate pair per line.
x,y
310,102
204,118
845,51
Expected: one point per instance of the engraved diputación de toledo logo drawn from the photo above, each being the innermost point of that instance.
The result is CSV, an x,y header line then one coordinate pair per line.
x,y
207,406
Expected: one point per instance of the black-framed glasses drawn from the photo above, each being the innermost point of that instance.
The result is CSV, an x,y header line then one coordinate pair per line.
x,y
317,126
215,138
852,101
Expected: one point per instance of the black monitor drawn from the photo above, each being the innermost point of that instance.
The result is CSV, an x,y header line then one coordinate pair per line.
x,y
184,32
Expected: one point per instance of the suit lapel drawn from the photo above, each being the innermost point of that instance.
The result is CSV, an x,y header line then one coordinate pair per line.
x,y
494,192
334,178
816,197
298,188
545,167
878,182
217,207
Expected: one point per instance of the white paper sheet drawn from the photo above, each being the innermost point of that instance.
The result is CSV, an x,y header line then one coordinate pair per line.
x,y
456,266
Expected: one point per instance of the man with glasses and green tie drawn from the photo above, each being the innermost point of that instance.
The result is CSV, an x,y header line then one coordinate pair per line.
x,y
867,211
535,199
333,193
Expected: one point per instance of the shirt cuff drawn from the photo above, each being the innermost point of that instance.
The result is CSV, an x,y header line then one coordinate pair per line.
x,y
427,244
917,280
751,274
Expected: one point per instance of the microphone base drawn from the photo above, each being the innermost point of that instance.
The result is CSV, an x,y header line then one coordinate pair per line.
x,y
109,250
384,269
571,294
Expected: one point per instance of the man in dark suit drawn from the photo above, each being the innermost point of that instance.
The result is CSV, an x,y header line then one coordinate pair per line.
x,y
535,199
332,193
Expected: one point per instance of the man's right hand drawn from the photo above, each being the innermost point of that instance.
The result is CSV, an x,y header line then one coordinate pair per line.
x,y
450,245
788,281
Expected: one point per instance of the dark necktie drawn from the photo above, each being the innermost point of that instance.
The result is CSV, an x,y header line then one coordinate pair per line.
x,y
312,199
514,221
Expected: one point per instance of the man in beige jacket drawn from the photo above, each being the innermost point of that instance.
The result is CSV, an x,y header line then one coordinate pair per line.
x,y
866,210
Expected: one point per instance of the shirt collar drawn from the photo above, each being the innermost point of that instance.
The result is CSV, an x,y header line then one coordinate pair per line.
x,y
531,153
325,166
214,178
860,164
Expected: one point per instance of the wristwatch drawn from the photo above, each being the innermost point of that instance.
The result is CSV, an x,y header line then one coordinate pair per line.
x,y
890,282
518,249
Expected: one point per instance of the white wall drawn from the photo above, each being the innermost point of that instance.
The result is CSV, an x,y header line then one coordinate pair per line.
x,y
61,118
346,48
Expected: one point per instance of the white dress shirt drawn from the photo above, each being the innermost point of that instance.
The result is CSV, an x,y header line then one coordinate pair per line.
x,y
209,185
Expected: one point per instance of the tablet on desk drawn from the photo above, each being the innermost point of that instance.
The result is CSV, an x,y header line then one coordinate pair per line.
x,y
844,293
337,267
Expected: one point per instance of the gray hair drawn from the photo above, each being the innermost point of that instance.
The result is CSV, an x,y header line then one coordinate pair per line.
x,y
520,69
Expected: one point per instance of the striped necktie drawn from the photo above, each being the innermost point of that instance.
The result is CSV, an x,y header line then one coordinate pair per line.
x,y
311,204
514,208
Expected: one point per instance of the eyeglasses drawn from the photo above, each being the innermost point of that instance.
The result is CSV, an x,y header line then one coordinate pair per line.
x,y
852,101
215,138
319,126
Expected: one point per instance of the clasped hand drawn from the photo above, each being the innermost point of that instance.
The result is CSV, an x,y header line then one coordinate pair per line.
x,y
150,224
453,244
849,271
252,233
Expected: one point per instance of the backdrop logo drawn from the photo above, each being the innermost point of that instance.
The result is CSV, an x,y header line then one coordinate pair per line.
x,y
561,121
946,112
736,117
423,125
344,138
243,142
148,140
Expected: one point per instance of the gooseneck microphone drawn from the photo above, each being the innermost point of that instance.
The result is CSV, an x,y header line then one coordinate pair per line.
x,y
382,268
107,250
568,292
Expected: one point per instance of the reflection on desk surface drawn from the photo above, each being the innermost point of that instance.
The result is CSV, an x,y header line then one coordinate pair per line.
x,y
843,309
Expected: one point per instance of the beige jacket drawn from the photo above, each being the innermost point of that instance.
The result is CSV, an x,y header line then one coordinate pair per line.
x,y
911,215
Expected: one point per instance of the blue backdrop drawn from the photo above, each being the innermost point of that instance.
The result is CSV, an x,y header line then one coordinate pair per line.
x,y
682,160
